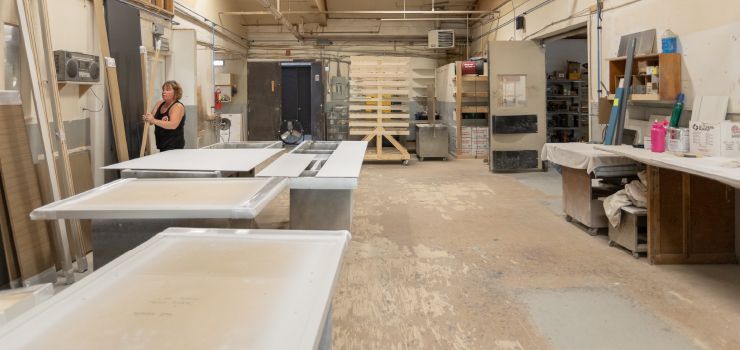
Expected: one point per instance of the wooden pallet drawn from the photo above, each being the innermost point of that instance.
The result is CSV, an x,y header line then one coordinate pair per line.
x,y
379,88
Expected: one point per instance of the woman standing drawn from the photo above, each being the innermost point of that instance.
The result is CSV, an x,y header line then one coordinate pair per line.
x,y
169,118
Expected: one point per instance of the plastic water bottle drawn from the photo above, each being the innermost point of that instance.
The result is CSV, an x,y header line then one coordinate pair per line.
x,y
669,41
657,137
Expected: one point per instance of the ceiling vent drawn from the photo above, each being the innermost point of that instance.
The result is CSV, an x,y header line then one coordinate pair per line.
x,y
441,39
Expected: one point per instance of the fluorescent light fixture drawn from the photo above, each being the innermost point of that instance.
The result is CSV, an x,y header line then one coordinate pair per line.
x,y
218,63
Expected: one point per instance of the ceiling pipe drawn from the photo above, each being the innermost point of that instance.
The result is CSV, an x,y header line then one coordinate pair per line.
x,y
321,5
461,19
401,12
279,17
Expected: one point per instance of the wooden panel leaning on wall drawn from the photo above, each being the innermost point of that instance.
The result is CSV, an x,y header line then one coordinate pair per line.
x,y
27,244
81,164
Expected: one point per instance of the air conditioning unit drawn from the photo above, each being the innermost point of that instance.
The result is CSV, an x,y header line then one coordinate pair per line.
x,y
441,39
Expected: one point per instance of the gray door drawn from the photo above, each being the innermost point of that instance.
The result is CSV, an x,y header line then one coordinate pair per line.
x,y
263,101
517,98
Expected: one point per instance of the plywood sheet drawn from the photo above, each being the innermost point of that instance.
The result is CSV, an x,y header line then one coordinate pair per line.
x,y
196,289
33,246
227,198
83,181
288,165
346,161
200,159
710,109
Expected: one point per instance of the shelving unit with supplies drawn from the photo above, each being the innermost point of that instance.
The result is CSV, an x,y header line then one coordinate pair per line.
x,y
567,110
471,114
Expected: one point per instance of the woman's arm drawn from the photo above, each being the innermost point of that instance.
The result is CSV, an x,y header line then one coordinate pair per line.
x,y
176,113
149,117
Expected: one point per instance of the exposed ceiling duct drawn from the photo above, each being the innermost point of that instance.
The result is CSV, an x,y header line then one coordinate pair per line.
x,y
321,5
279,17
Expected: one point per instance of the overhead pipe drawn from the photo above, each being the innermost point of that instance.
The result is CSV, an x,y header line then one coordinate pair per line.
x,y
321,5
279,17
399,12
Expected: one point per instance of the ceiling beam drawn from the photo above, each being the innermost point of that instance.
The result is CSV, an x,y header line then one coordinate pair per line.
x,y
321,5
280,18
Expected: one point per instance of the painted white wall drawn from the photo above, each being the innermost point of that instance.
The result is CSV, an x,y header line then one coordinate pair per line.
x,y
707,35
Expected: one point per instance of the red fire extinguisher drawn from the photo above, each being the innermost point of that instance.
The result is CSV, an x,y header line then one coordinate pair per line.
x,y
218,99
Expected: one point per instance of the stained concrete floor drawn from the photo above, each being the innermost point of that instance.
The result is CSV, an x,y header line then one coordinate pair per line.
x,y
445,255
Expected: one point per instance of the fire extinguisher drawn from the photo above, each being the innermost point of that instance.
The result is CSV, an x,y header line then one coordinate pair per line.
x,y
218,99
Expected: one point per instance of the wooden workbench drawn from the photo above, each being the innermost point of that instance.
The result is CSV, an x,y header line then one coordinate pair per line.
x,y
691,206
581,163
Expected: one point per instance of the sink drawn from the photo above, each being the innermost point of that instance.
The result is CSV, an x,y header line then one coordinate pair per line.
x,y
316,147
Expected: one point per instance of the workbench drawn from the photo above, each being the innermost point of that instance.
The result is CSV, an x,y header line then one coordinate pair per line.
x,y
323,176
583,166
691,206
189,288
196,163
127,212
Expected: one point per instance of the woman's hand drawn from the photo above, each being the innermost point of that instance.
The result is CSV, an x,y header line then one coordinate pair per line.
x,y
149,118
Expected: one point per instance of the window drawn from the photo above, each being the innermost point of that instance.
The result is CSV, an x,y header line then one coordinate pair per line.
x,y
10,75
513,90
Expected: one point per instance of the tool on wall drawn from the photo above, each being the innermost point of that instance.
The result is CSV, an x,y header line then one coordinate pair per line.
x,y
150,91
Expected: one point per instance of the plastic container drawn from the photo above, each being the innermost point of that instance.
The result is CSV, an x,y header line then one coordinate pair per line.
x,y
669,41
677,109
657,137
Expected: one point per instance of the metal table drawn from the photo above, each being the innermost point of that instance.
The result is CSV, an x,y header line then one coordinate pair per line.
x,y
432,141
323,176
127,212
197,289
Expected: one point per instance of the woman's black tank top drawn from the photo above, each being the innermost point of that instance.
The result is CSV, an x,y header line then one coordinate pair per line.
x,y
169,139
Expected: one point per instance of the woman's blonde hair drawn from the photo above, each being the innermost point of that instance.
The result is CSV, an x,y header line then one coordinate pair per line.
x,y
175,86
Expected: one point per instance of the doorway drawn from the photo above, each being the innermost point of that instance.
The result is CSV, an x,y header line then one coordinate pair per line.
x,y
296,95
566,58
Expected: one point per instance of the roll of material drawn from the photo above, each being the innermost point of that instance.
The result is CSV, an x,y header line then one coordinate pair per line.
x,y
472,67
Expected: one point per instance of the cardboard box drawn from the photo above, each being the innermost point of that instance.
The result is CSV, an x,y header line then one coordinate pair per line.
x,y
705,138
715,139
730,145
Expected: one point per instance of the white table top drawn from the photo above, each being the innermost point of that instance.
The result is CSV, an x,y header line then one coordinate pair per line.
x,y
288,165
345,161
340,171
245,144
579,155
724,170
244,159
195,289
197,198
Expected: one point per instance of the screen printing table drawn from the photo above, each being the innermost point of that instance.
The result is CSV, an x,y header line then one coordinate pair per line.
x,y
245,144
197,289
216,162
323,176
691,206
127,212
582,164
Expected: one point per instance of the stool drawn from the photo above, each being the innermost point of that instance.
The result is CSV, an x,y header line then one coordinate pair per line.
x,y
631,234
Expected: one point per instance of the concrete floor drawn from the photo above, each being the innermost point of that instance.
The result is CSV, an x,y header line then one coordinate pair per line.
x,y
446,255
